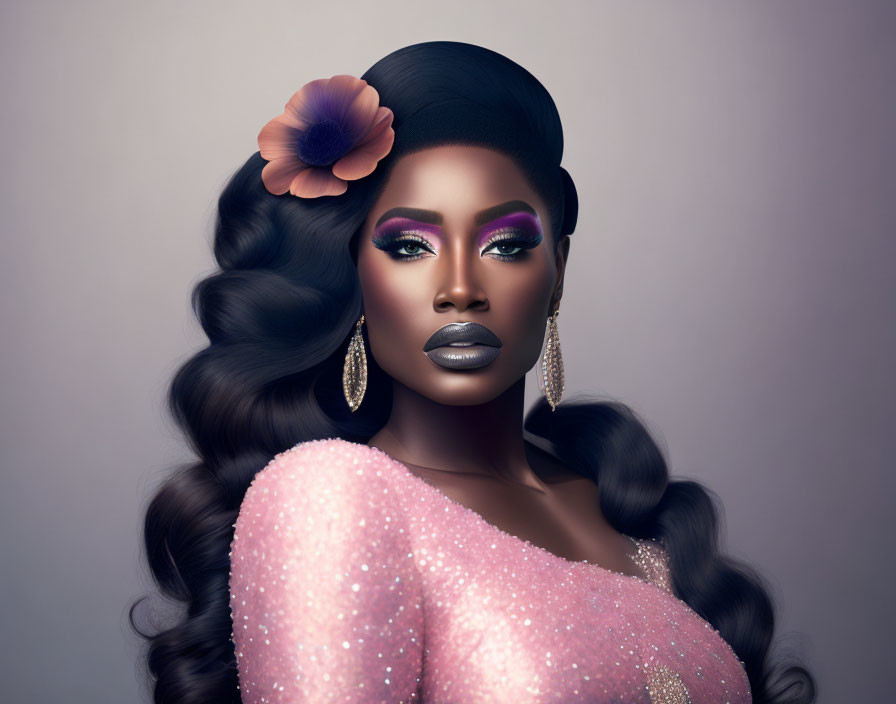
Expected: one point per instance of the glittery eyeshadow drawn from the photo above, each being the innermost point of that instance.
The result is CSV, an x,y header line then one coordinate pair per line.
x,y
526,226
353,580
395,226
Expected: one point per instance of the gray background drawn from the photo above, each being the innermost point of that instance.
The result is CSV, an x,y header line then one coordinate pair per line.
x,y
730,278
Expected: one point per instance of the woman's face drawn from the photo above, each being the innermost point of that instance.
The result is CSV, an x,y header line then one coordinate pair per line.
x,y
458,235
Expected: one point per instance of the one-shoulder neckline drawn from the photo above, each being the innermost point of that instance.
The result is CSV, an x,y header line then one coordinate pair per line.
x,y
639,543
584,565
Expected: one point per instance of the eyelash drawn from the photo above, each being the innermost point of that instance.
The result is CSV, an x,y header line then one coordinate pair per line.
x,y
392,246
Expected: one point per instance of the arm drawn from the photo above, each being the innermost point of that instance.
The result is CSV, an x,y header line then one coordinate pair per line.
x,y
324,595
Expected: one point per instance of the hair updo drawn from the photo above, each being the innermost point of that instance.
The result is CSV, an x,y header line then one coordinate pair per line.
x,y
466,94
278,313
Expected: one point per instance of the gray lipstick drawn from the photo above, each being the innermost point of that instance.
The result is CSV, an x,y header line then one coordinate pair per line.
x,y
465,345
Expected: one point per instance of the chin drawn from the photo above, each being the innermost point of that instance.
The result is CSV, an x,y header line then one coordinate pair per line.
x,y
470,388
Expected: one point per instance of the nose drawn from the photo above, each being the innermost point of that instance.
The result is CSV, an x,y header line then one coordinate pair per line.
x,y
458,284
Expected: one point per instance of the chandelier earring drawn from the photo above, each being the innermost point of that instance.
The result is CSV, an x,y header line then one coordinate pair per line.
x,y
354,371
550,371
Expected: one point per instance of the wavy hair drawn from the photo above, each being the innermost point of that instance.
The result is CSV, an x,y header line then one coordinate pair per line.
x,y
278,313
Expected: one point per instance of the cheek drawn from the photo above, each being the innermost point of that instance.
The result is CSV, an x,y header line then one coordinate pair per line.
x,y
392,301
524,303
525,292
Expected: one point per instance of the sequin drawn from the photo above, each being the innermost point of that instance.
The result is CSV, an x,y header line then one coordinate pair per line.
x,y
353,580
665,686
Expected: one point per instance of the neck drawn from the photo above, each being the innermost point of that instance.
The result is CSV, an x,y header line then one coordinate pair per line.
x,y
482,439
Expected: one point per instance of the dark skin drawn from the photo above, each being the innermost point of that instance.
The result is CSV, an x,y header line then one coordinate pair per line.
x,y
460,430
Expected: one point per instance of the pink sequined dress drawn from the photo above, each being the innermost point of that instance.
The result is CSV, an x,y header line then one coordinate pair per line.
x,y
353,580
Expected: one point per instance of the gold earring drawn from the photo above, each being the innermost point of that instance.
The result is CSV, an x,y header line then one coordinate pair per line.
x,y
354,371
550,376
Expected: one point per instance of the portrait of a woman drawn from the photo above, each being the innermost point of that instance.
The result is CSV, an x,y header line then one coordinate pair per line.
x,y
377,516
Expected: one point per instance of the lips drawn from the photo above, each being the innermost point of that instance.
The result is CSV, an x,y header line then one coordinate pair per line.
x,y
462,346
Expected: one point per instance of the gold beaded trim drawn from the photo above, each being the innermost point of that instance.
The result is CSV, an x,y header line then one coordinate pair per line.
x,y
665,686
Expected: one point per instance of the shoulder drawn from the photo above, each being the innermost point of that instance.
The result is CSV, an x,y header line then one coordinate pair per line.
x,y
319,498
331,462
324,585
325,480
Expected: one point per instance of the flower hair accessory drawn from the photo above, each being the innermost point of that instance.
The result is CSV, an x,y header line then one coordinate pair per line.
x,y
333,130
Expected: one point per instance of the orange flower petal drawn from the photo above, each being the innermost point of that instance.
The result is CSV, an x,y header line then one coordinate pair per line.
x,y
279,174
363,110
298,107
314,182
340,90
345,88
381,122
277,140
362,160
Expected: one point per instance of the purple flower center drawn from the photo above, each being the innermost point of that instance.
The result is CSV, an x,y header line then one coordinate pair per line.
x,y
324,143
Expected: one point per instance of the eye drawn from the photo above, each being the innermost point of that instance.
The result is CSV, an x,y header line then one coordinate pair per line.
x,y
512,246
404,248
507,248
410,248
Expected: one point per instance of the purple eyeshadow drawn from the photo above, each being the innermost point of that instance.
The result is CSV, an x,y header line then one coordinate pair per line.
x,y
398,225
526,223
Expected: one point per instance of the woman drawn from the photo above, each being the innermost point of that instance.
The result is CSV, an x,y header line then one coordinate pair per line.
x,y
392,265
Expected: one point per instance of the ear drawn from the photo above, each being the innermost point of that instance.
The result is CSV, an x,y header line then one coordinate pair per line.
x,y
561,254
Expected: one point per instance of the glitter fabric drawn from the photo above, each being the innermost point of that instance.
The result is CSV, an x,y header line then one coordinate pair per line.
x,y
353,580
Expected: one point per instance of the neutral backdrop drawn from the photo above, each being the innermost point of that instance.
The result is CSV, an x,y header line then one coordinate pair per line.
x,y
731,278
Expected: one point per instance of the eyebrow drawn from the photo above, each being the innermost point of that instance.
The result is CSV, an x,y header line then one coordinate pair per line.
x,y
433,217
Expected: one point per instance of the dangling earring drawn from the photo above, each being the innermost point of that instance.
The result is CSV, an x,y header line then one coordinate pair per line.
x,y
354,372
550,371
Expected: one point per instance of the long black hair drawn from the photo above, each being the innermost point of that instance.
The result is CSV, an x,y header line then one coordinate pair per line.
x,y
278,314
